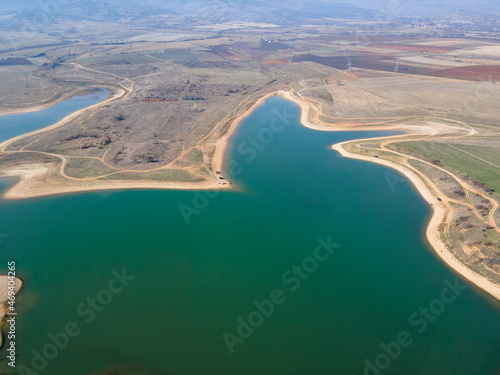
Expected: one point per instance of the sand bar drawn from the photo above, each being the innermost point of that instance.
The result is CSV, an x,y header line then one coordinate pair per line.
x,y
4,297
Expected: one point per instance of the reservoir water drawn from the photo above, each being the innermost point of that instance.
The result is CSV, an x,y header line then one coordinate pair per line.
x,y
13,125
319,265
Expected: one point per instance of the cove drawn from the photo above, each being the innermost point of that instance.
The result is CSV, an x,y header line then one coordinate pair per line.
x,y
21,123
151,294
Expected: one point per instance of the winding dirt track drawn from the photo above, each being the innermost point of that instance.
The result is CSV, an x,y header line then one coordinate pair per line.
x,y
461,127
443,211
127,91
467,188
42,179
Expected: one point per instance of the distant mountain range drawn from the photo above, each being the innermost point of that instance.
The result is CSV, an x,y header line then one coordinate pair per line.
x,y
252,10
216,10
277,8
99,10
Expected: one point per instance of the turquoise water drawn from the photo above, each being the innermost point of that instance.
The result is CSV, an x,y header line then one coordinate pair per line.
x,y
196,274
22,123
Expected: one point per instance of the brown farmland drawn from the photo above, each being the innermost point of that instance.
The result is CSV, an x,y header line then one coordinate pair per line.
x,y
471,73
374,62
413,47
223,52
275,62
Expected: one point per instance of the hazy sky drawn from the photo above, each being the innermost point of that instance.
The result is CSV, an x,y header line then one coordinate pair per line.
x,y
407,7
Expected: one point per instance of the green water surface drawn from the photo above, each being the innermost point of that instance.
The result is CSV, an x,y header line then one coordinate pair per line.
x,y
200,262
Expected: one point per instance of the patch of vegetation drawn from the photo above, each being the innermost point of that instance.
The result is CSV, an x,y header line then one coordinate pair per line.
x,y
194,156
83,167
443,181
178,54
455,159
120,59
15,61
491,236
174,175
370,145
474,244
490,154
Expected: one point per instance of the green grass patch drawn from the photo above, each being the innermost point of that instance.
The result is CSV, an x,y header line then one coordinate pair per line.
x,y
194,156
83,167
457,160
177,175
490,154
491,235
174,175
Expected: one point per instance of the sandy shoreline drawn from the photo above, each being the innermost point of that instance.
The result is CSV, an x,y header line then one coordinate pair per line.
x,y
222,143
432,232
305,110
4,297
40,107
116,94
52,102
29,187
40,180
439,210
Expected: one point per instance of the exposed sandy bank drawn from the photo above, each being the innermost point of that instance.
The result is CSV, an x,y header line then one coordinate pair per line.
x,y
4,297
432,232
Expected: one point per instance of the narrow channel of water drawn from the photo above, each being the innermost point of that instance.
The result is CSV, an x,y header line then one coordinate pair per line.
x,y
17,124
